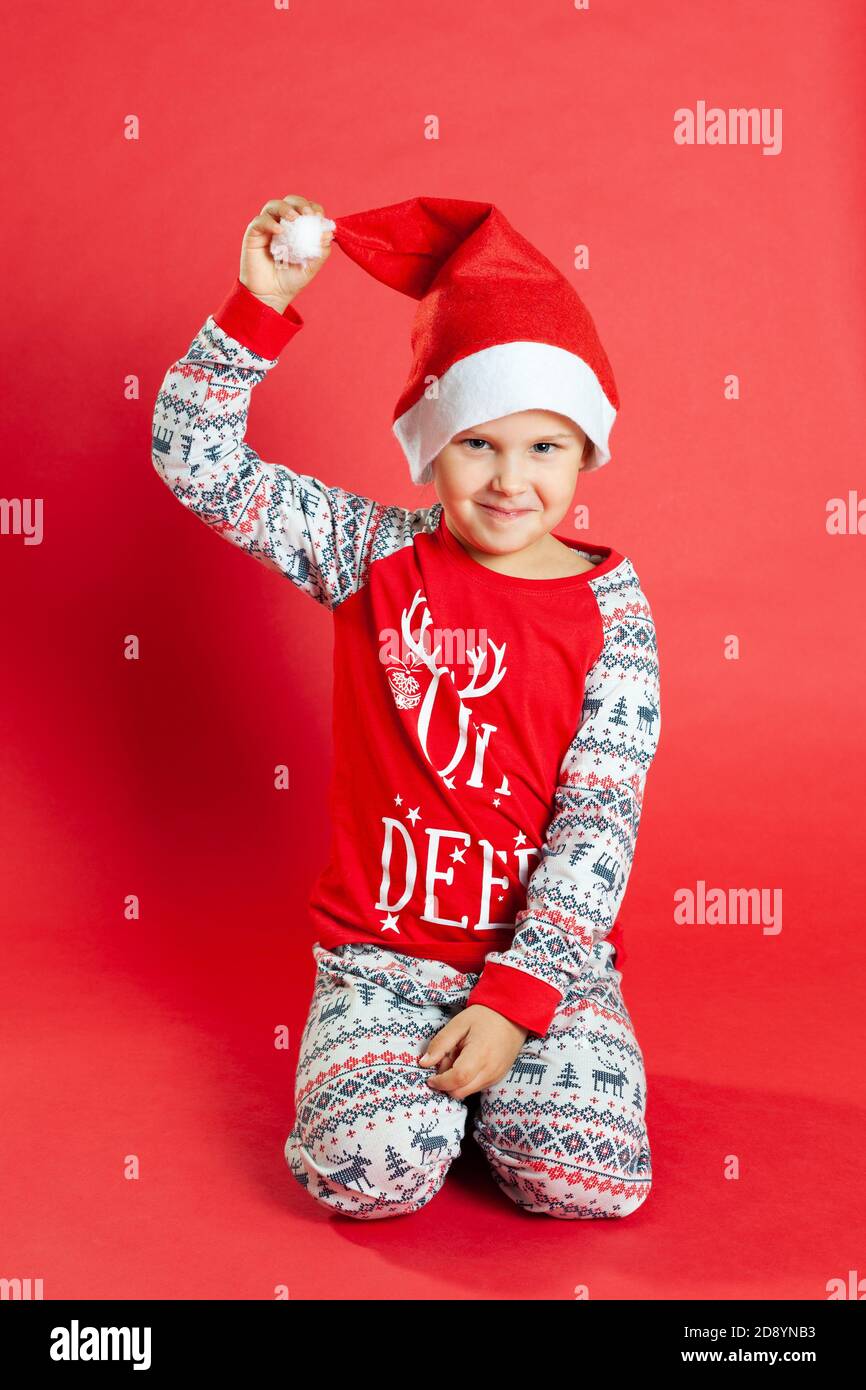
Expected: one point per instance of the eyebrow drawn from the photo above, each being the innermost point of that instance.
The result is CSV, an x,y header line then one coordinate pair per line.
x,y
479,434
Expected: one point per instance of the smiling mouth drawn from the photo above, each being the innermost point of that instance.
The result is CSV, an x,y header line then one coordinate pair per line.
x,y
505,511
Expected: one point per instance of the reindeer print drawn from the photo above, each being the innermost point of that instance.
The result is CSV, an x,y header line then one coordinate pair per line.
x,y
352,1172
647,715
335,1010
527,1069
615,1079
427,1143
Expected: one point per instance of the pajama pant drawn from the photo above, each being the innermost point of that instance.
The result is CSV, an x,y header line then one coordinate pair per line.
x,y
563,1131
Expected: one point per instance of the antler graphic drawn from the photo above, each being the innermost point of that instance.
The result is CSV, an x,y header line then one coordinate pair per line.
x,y
478,659
417,645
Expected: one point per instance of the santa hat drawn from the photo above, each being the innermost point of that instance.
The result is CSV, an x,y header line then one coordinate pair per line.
x,y
497,329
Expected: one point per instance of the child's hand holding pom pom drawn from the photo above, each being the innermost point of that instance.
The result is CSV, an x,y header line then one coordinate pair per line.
x,y
283,248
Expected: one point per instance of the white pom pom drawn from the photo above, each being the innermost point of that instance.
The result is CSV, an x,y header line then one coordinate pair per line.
x,y
300,238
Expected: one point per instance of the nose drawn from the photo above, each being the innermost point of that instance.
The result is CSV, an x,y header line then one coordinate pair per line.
x,y
508,476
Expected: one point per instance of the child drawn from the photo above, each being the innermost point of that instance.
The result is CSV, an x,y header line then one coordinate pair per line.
x,y
496,712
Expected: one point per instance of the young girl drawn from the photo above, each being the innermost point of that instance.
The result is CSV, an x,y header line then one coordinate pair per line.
x,y
496,695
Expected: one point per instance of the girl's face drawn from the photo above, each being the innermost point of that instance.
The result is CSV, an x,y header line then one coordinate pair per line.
x,y
509,482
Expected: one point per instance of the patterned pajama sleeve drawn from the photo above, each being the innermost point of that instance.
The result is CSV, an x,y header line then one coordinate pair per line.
x,y
321,538
574,893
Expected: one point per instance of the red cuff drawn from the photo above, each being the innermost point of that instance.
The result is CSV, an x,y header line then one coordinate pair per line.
x,y
523,998
259,327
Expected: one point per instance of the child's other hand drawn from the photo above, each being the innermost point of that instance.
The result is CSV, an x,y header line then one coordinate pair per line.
x,y
477,1047
276,284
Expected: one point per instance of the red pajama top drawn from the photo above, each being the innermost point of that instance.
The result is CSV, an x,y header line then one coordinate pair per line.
x,y
492,735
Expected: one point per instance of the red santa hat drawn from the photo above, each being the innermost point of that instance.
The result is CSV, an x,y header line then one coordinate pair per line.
x,y
497,329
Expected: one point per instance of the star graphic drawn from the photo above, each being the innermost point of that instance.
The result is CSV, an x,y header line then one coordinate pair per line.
x,y
390,923
398,800
519,838
457,855
414,814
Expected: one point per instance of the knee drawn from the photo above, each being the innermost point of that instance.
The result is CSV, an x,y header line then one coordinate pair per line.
x,y
365,1185
595,1187
623,1198
554,1195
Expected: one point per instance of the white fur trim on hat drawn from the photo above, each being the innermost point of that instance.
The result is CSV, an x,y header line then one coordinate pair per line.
x,y
501,380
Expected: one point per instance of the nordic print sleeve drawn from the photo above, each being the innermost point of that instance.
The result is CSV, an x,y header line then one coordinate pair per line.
x,y
321,538
575,892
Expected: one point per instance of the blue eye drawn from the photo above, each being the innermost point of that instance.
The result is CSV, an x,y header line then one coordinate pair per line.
x,y
546,444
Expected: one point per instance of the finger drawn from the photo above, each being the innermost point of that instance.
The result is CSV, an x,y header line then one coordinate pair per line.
x,y
279,208
470,1062
439,1046
266,223
290,207
455,1083
307,205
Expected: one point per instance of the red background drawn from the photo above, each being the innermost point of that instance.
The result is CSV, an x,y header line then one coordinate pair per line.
x,y
155,777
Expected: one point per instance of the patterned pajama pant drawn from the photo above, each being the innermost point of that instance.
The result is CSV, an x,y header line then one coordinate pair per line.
x,y
563,1132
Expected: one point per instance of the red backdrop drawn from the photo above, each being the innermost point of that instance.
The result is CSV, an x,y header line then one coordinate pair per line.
x,y
154,776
